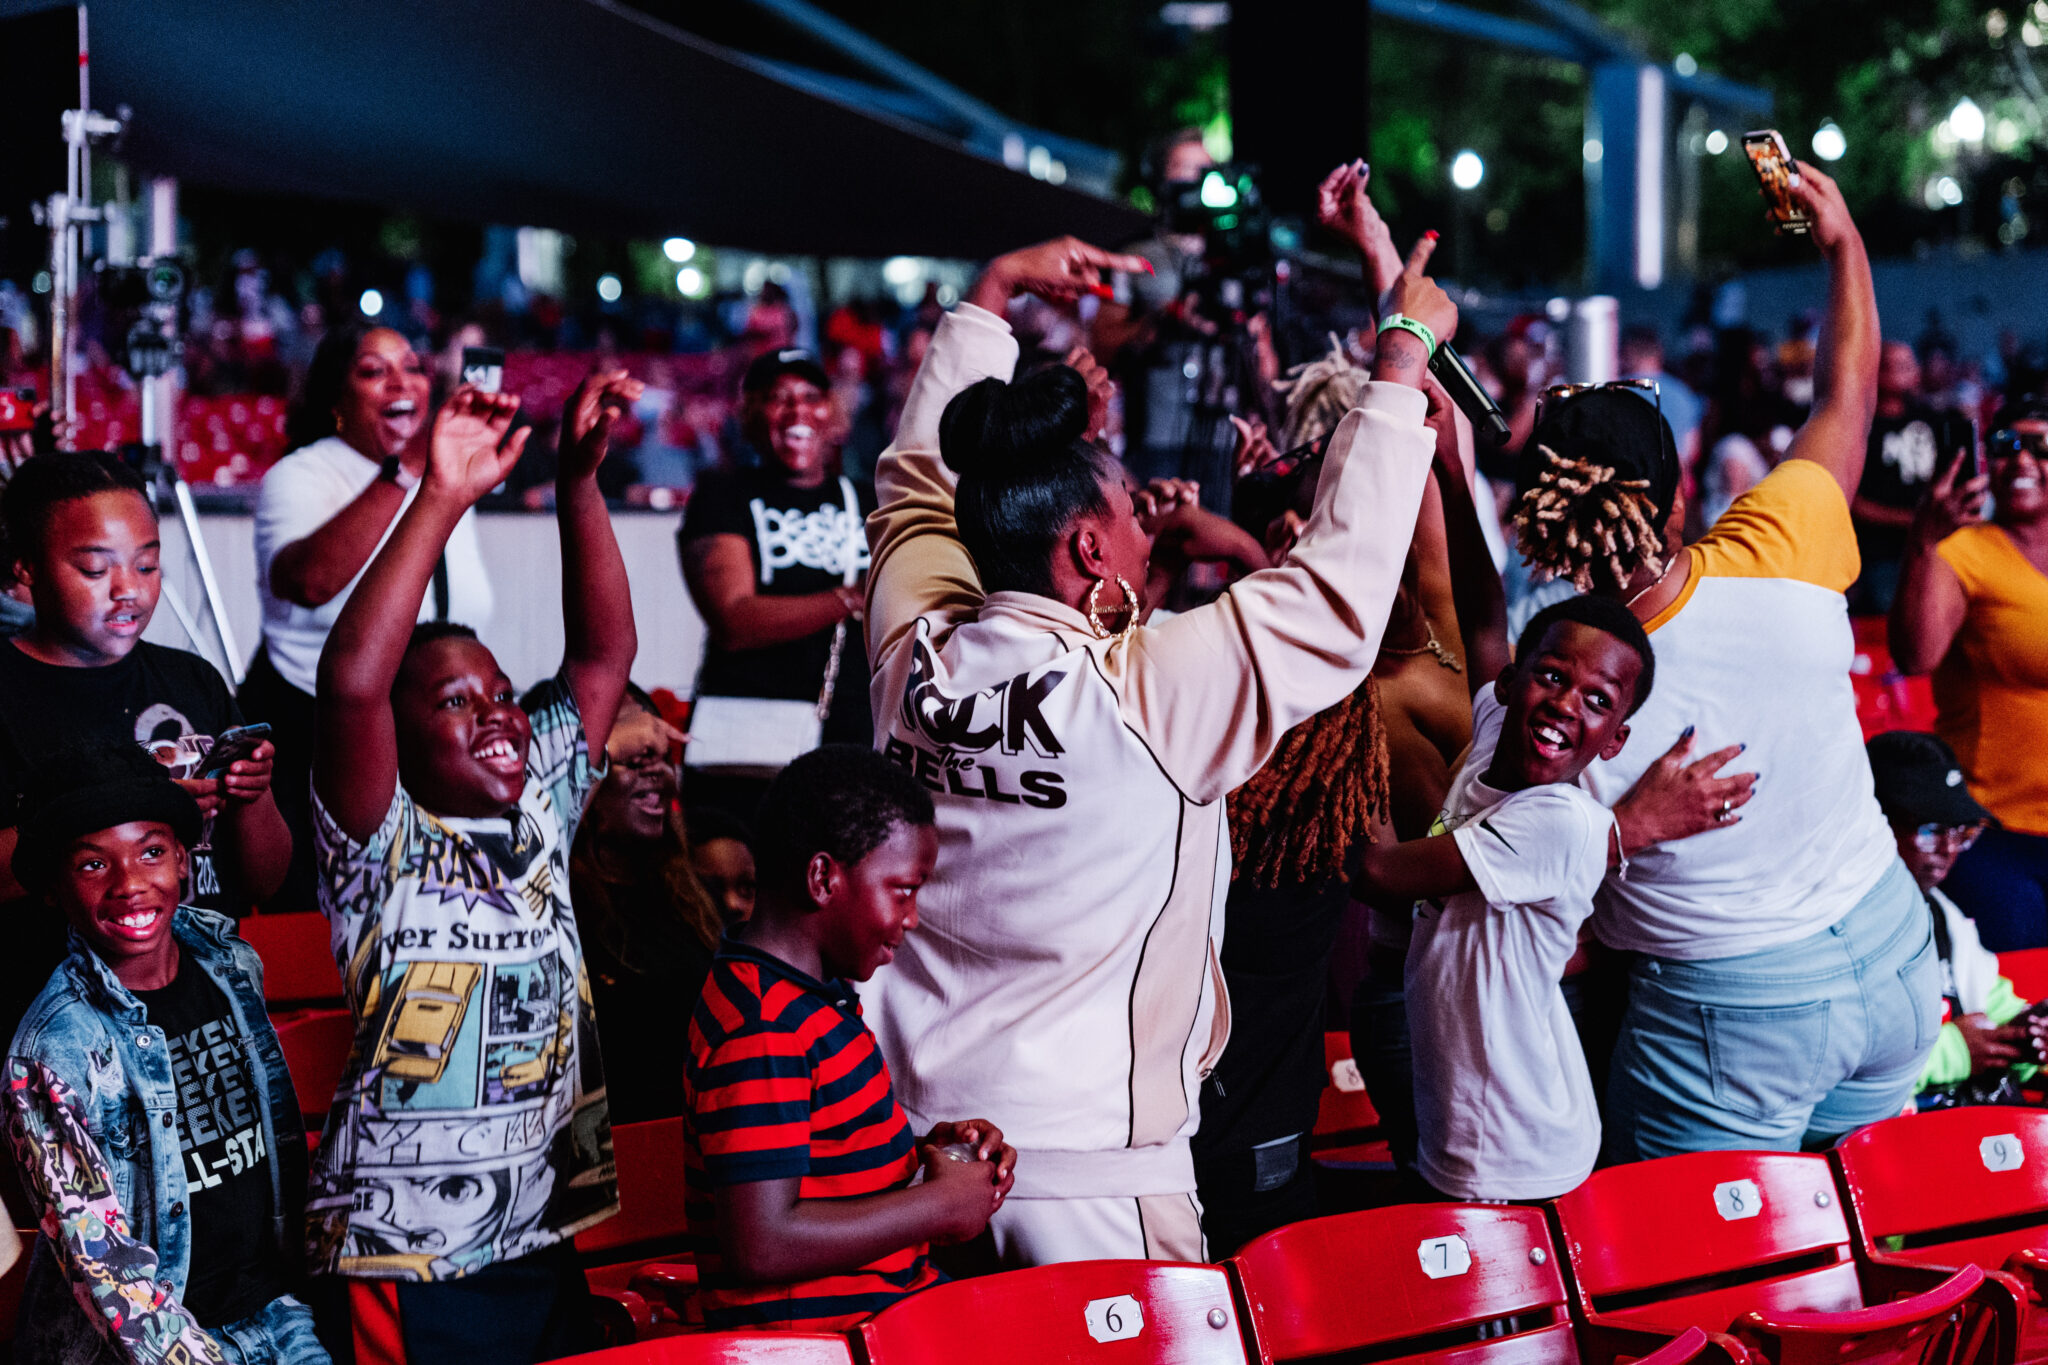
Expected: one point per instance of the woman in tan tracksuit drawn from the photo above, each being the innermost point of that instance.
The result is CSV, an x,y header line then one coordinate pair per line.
x,y
1064,978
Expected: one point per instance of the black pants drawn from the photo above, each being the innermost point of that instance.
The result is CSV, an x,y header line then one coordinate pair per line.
x,y
1246,1194
267,697
530,1309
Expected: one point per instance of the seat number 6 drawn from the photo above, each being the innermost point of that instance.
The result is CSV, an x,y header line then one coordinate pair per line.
x,y
1117,1319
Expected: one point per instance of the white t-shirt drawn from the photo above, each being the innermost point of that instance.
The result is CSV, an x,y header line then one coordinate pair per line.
x,y
1504,1105
303,492
1756,651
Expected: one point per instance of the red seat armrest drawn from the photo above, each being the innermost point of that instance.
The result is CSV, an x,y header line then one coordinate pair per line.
x,y
1878,1317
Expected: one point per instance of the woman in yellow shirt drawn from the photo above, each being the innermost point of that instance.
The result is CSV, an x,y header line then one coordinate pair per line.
x,y
1973,609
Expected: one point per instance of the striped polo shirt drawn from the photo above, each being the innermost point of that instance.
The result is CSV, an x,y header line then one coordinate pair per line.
x,y
785,1082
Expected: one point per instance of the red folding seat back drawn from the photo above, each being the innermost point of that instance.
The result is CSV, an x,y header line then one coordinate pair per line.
x,y
1756,1244
1370,1280
1962,1186
1099,1312
1630,1230
298,957
2027,969
726,1348
316,1045
650,1220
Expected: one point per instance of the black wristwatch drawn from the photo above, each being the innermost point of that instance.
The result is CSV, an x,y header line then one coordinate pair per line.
x,y
394,471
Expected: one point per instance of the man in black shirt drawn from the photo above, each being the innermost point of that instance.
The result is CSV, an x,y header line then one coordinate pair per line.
x,y
86,545
1909,443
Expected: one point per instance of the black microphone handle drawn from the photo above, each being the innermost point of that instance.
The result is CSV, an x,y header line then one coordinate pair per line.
x,y
1485,414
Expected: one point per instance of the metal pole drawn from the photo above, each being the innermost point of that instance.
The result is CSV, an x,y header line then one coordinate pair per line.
x,y
163,241
190,516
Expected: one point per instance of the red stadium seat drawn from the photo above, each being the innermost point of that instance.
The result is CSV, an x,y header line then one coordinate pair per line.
x,y
2027,969
298,959
1347,1131
637,1261
1961,1187
1755,1245
316,1044
1417,1282
1100,1312
726,1348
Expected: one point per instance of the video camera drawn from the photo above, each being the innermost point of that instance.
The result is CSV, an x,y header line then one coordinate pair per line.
x,y
1225,209
142,302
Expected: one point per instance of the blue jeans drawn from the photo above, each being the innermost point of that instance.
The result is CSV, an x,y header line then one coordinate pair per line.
x,y
279,1333
1787,1047
2002,884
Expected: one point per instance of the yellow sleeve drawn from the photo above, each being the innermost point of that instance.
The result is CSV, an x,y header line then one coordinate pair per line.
x,y
1794,524
1968,552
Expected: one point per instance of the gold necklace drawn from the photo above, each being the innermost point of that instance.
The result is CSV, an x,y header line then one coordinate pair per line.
x,y
1431,646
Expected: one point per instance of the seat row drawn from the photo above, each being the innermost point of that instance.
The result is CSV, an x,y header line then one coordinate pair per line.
x,y
1922,1240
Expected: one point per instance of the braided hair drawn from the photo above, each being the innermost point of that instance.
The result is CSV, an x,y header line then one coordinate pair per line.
x,y
1326,785
1596,495
1319,392
1323,788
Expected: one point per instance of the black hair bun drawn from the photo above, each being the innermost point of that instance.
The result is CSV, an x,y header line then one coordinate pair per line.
x,y
990,425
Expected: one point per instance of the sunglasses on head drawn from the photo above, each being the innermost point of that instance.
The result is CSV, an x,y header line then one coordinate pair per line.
x,y
1558,393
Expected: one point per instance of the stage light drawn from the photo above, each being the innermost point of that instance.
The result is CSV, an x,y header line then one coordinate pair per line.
x,y
679,249
1948,191
1217,193
1829,143
1966,120
1467,170
609,288
901,270
690,281
1593,151
372,303
1717,142
1685,64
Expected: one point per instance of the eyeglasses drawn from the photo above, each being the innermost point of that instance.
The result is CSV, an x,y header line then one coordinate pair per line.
x,y
1933,835
2004,444
1558,393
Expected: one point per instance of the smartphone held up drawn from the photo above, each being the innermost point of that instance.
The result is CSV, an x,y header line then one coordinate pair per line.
x,y
1778,173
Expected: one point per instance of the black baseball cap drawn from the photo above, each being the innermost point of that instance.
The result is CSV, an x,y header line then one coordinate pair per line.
x,y
90,787
770,366
1618,428
1919,781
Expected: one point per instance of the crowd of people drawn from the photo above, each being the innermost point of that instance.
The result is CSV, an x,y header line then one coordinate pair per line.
x,y
1039,813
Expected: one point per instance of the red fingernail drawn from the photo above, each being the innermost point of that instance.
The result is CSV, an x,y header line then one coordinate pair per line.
x,y
1102,291
1148,268
1429,236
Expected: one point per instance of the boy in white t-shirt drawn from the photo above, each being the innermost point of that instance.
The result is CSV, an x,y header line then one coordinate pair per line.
x,y
1504,1105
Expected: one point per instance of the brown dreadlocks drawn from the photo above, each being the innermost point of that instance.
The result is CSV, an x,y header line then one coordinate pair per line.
x,y
1324,788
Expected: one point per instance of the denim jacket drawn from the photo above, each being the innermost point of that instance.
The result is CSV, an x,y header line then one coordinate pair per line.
x,y
91,1115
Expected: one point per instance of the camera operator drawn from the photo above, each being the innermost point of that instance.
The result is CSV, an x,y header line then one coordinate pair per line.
x,y
1185,365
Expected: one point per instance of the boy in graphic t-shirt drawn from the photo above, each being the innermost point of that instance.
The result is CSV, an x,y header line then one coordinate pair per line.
x,y
86,544
146,1097
1504,1105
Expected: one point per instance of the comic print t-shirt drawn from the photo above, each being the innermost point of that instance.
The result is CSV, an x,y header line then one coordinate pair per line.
x,y
470,1126
220,1139
802,541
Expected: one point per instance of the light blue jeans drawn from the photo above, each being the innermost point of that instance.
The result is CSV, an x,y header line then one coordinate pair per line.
x,y
279,1333
1780,1049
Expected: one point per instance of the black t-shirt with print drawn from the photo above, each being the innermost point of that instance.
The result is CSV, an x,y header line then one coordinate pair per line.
x,y
235,1268
1904,455
171,702
799,539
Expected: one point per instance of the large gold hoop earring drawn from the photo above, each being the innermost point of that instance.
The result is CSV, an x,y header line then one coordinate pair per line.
x,y
1132,609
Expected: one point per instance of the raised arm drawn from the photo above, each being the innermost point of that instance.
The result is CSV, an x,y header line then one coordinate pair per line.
x,y
1930,606
1342,206
1214,689
112,1274
1836,434
917,563
355,756
597,601
1475,585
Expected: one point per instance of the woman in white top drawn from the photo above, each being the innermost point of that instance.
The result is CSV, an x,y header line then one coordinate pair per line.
x,y
324,510
1065,974
1785,987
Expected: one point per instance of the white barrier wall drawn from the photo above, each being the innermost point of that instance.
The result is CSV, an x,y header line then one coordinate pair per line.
x,y
525,562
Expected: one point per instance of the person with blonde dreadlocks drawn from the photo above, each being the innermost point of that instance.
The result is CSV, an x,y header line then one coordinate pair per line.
x,y
1785,987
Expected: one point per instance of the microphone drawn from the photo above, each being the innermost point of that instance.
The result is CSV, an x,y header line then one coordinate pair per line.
x,y
1477,405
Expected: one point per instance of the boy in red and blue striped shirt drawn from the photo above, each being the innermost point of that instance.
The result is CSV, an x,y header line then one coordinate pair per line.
x,y
798,1159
